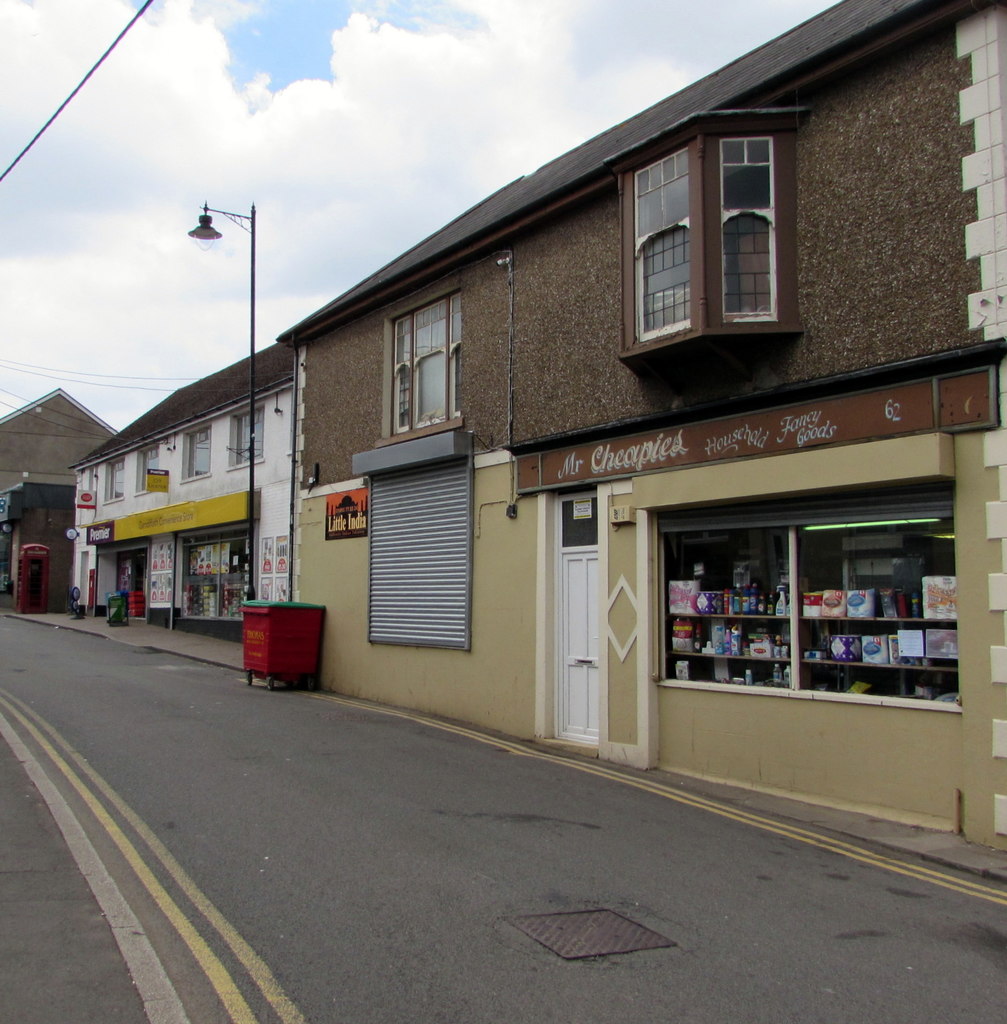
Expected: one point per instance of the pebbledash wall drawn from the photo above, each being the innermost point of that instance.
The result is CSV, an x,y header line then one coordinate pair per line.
x,y
934,762
982,39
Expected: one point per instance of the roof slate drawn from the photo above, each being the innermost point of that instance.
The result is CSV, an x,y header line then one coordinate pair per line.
x,y
808,45
273,366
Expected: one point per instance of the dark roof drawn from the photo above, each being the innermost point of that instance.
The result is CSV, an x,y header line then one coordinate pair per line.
x,y
807,47
274,366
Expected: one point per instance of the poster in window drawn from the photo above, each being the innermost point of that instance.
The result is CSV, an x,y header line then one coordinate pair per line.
x,y
267,555
160,589
266,589
346,514
282,545
280,589
162,557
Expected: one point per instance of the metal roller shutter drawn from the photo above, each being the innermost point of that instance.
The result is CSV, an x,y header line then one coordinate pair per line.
x,y
420,556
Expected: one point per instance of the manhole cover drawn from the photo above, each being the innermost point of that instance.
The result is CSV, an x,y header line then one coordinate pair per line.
x,y
582,933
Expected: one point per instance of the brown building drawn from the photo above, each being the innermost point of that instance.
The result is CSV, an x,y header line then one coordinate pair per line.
x,y
38,445
686,447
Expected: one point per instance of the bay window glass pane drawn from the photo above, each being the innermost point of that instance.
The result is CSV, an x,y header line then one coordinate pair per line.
x,y
745,165
747,265
666,279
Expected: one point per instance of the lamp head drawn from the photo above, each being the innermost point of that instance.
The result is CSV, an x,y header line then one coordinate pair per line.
x,y
205,233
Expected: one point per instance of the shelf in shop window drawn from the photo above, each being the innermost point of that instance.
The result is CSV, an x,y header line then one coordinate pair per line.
x,y
943,667
736,615
731,657
860,618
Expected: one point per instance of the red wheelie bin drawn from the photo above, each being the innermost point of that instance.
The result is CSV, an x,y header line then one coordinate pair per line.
x,y
282,642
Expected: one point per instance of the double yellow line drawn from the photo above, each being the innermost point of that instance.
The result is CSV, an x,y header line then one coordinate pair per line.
x,y
99,797
91,793
820,840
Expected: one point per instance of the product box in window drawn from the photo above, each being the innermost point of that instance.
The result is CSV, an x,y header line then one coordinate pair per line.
x,y
942,643
860,604
833,604
940,597
811,605
875,650
682,596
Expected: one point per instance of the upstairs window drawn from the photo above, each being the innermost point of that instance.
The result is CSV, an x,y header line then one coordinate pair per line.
x,y
145,460
662,243
238,448
747,211
709,235
115,477
196,451
426,378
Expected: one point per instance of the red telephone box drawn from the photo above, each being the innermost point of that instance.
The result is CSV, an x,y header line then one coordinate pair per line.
x,y
33,580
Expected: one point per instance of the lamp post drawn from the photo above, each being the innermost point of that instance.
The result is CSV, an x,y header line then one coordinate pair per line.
x,y
206,233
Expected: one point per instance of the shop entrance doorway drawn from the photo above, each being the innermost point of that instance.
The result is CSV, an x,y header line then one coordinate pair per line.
x,y
577,680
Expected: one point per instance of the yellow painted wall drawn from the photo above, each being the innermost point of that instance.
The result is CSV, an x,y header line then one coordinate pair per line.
x,y
493,684
979,629
622,624
902,760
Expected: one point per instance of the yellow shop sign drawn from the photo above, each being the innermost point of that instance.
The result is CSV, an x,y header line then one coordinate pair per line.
x,y
189,515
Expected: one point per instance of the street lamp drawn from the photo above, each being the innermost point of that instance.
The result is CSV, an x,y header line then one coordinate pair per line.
x,y
206,233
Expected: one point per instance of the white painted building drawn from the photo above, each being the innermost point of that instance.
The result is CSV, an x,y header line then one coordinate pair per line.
x,y
162,507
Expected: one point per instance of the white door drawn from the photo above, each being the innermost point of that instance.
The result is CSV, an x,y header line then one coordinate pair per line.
x,y
577,692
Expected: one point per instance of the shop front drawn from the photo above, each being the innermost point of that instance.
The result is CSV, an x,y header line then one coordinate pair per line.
x,y
190,561
796,599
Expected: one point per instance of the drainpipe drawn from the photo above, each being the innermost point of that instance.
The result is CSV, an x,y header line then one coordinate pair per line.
x,y
293,470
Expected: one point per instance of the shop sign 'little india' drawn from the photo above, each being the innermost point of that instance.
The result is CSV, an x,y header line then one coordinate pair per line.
x,y
907,409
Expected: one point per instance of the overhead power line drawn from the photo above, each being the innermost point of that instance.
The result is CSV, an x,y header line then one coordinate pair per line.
x,y
89,383
136,17
87,373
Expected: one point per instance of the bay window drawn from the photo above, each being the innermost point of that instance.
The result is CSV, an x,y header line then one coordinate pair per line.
x,y
709,236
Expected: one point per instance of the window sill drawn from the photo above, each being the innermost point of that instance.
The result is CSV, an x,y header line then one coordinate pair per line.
x,y
435,428
909,703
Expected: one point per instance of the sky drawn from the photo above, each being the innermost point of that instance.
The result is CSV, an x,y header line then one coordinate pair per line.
x,y
355,128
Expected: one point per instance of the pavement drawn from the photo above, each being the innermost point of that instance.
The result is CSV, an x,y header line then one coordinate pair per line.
x,y
54,929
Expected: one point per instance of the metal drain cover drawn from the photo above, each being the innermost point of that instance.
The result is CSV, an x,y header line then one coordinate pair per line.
x,y
577,934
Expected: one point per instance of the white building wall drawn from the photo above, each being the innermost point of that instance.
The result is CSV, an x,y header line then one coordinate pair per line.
x,y
272,478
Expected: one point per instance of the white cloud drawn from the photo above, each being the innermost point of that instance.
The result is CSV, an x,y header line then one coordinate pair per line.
x,y
430,106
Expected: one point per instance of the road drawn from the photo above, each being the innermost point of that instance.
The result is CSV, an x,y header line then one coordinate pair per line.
x,y
298,857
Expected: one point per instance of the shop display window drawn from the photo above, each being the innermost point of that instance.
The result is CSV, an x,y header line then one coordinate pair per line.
x,y
216,574
858,606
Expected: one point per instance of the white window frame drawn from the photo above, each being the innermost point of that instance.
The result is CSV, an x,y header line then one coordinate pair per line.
x,y
115,480
146,458
192,442
237,452
764,213
407,363
643,237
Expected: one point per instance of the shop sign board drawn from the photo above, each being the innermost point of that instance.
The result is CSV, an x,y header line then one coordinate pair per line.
x,y
189,515
157,480
891,412
101,533
87,499
346,514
